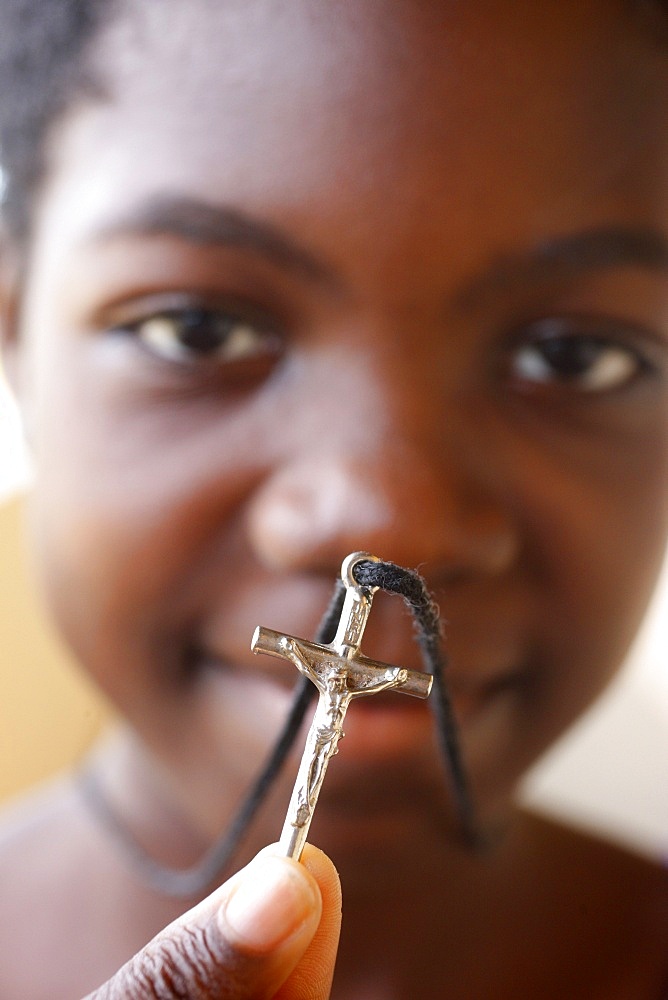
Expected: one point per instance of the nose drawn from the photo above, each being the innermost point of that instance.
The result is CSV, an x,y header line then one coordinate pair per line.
x,y
400,494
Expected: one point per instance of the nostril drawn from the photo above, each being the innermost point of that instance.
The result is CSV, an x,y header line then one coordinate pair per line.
x,y
307,516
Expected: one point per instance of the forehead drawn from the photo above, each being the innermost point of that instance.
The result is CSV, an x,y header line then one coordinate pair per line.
x,y
524,114
421,59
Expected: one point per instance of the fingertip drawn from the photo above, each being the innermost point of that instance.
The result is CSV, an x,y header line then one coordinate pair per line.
x,y
323,870
312,977
273,901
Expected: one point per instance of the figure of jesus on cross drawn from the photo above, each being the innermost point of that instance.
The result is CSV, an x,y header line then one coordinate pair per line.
x,y
340,673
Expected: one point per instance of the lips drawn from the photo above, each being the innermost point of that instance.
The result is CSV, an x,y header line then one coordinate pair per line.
x,y
470,691
484,656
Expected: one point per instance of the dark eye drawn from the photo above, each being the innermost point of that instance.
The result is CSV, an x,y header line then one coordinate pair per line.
x,y
584,362
193,334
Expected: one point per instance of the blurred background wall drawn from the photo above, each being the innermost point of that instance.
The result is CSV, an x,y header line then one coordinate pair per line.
x,y
609,774
48,714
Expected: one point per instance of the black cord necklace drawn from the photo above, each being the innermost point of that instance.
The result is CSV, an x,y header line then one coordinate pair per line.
x,y
194,881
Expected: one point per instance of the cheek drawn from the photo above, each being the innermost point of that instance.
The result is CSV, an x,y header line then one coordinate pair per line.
x,y
598,543
131,505
592,551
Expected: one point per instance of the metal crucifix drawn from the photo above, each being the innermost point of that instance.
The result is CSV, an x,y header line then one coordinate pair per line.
x,y
340,672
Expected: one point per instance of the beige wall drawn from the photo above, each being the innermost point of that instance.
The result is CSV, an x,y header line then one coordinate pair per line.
x,y
48,714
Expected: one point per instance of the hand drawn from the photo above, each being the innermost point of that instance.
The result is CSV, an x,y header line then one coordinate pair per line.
x,y
272,930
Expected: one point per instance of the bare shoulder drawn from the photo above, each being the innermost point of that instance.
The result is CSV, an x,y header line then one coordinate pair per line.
x,y
605,901
46,857
603,867
69,914
39,839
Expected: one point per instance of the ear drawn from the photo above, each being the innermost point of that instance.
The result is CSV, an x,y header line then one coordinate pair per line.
x,y
12,347
9,310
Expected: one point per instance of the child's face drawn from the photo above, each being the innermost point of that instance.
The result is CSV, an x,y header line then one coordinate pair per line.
x,y
441,232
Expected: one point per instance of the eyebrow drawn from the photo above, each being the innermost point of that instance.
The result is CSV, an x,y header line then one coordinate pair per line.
x,y
604,248
207,224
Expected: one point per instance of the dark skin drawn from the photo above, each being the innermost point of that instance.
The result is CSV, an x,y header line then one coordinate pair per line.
x,y
441,233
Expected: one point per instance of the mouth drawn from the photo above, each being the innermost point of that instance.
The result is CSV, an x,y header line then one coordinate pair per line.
x,y
485,664
470,692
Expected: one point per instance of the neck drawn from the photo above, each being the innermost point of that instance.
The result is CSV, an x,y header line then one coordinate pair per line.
x,y
433,900
140,794
381,843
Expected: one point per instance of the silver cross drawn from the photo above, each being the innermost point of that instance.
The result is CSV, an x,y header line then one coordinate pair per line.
x,y
340,672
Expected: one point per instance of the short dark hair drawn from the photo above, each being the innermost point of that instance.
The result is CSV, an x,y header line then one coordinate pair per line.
x,y
42,69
